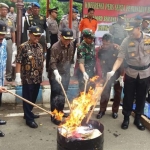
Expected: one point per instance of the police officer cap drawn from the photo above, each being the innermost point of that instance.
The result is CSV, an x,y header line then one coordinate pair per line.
x,y
3,5
35,4
88,33
35,30
131,25
122,16
3,27
29,6
52,9
75,10
147,20
138,18
67,33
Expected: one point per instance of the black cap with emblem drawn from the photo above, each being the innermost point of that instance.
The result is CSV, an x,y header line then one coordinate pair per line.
x,y
3,27
53,9
67,33
131,25
35,30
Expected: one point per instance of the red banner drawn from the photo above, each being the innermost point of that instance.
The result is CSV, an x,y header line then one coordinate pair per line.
x,y
108,10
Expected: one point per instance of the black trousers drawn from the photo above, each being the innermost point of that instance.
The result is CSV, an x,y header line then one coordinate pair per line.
x,y
57,98
54,39
0,99
29,92
132,86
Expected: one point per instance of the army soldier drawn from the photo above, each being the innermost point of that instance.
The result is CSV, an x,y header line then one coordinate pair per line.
x,y
60,63
36,20
86,58
3,57
107,54
117,30
135,49
10,37
53,29
144,25
29,68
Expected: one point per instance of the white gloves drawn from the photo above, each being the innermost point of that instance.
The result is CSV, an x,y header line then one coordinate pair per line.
x,y
57,76
48,45
18,79
14,47
72,70
120,79
85,76
110,74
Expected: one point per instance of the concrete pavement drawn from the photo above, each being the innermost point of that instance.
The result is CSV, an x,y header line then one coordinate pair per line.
x,y
21,137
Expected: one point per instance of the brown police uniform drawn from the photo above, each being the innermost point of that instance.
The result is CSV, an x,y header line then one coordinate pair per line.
x,y
107,59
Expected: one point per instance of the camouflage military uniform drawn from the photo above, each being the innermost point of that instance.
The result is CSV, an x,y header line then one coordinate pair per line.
x,y
39,21
86,56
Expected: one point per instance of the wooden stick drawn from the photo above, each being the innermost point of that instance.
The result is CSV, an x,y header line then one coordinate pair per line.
x,y
30,103
96,103
65,96
85,85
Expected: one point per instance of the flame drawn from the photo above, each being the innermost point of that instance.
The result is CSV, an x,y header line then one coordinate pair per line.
x,y
94,78
58,115
80,108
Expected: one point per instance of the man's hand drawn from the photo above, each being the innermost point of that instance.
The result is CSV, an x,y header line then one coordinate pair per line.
x,y
2,89
116,46
110,74
48,45
18,79
120,79
85,76
57,76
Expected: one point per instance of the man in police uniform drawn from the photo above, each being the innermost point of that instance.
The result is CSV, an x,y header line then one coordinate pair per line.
x,y
10,37
107,55
144,25
37,20
53,29
59,66
135,49
64,23
117,30
86,58
29,68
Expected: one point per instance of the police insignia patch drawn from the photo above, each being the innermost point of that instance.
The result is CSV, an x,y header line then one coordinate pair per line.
x,y
68,33
132,54
37,29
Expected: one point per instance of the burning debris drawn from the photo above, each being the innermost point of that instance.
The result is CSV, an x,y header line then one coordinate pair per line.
x,y
80,107
58,115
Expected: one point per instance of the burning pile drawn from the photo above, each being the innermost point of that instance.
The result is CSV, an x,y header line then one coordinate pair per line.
x,y
79,109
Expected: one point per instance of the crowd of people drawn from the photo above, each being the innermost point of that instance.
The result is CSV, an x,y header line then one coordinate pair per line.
x,y
123,59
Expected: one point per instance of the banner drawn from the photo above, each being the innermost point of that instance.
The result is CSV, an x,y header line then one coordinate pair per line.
x,y
106,11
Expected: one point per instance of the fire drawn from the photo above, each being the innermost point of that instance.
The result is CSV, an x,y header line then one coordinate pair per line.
x,y
58,115
80,108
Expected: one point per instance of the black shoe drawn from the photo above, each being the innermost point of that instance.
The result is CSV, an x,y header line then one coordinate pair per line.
x,y
139,125
65,115
100,114
125,123
35,117
32,124
2,122
114,115
55,121
9,79
2,134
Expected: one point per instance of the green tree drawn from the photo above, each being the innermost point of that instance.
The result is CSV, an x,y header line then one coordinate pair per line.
x,y
8,2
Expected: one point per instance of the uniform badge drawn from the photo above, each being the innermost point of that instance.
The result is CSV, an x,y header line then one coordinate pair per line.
x,y
68,33
103,62
114,54
37,29
41,18
9,23
131,44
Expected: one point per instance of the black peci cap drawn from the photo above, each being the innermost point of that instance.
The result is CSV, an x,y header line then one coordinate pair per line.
x,y
67,33
35,30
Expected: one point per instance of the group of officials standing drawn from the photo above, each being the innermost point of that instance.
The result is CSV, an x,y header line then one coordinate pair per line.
x,y
43,35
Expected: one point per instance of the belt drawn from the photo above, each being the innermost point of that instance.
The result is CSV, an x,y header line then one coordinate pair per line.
x,y
8,38
139,68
